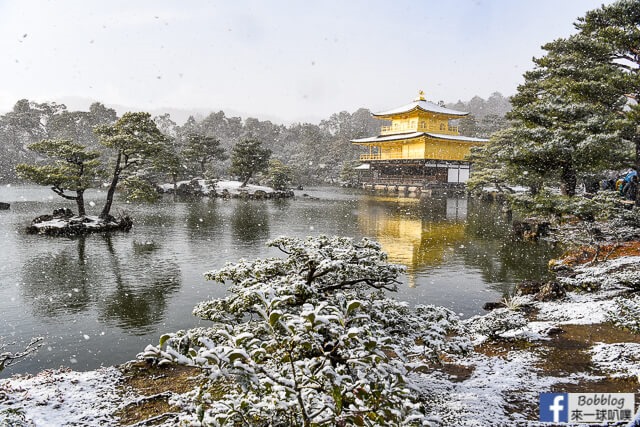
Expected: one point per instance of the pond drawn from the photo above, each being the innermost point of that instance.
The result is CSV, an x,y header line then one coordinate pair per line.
x,y
100,299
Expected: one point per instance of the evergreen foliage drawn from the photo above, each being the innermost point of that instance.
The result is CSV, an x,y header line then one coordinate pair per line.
x,y
311,339
247,158
577,111
279,175
136,141
202,150
349,174
71,168
566,121
615,30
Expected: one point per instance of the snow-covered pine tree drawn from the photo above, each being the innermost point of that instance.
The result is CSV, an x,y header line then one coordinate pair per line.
x,y
138,147
70,167
311,339
615,29
565,121
249,157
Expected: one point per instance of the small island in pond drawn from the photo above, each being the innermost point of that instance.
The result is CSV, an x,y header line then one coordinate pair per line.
x,y
224,189
63,222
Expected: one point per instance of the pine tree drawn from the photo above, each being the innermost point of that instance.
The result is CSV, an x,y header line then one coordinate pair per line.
x,y
615,30
137,141
202,150
247,158
73,168
279,175
565,120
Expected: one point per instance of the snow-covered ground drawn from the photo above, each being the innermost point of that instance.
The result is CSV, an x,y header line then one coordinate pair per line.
x,y
60,398
233,187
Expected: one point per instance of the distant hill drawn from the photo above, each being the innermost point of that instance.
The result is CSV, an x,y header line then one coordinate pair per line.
x,y
178,115
485,116
495,105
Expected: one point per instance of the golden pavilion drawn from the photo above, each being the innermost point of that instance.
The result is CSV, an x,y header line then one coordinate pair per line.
x,y
419,147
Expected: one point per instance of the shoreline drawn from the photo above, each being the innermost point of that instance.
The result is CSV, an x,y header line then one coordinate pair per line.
x,y
575,344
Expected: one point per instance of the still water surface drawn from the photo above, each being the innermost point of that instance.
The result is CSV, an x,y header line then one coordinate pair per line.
x,y
99,300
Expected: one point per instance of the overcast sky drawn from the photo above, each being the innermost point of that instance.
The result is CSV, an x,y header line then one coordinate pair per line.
x,y
282,60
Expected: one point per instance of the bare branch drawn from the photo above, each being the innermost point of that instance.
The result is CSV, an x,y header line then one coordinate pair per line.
x,y
8,358
376,284
60,192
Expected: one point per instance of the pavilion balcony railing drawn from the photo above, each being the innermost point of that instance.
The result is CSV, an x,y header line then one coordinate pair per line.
x,y
378,156
398,180
420,127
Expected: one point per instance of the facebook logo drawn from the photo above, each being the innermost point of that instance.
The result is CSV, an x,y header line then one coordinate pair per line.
x,y
554,407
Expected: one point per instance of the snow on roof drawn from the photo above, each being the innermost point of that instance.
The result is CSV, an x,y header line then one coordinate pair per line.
x,y
421,104
389,137
412,135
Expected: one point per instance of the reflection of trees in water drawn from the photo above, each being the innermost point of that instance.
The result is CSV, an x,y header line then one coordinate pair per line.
x,y
250,221
59,284
204,219
158,219
139,298
138,308
281,205
501,259
131,294
505,262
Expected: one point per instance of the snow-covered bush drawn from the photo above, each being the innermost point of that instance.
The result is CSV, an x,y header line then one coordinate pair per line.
x,y
311,339
626,313
495,323
604,205
617,274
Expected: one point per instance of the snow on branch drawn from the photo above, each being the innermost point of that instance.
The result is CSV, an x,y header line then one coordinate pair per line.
x,y
7,358
311,339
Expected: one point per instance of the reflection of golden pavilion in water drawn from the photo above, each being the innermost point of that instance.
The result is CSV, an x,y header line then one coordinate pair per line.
x,y
411,240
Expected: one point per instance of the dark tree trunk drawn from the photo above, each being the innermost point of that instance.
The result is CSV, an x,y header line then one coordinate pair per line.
x,y
568,180
203,167
245,182
80,202
112,188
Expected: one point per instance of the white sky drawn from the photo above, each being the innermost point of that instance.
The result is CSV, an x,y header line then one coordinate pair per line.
x,y
282,60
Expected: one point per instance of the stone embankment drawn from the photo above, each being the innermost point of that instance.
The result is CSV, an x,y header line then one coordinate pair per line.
x,y
63,222
224,189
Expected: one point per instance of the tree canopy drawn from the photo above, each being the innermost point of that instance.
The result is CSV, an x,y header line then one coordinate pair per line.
x,y
247,158
136,141
71,167
615,30
570,116
202,150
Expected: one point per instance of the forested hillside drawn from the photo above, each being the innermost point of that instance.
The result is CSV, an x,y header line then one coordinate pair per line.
x,y
316,153
485,116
